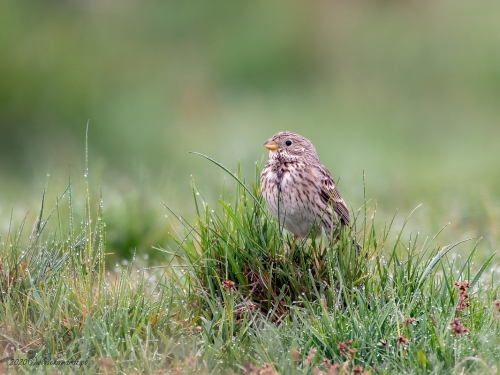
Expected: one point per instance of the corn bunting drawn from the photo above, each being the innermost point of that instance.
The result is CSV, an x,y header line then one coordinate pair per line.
x,y
298,189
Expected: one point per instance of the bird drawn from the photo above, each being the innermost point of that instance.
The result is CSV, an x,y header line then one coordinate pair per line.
x,y
298,190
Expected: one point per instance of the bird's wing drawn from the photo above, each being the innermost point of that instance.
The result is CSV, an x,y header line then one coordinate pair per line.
x,y
330,195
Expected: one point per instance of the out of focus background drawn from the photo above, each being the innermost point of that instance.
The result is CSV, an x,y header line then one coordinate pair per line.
x,y
405,93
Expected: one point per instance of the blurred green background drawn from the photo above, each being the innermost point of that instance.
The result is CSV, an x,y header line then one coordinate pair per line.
x,y
406,92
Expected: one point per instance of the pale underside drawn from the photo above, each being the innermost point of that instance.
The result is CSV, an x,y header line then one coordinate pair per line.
x,y
291,212
307,198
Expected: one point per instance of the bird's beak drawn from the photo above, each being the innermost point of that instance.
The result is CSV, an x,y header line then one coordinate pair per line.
x,y
271,145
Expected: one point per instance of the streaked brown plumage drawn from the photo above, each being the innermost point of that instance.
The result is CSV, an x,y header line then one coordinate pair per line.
x,y
308,197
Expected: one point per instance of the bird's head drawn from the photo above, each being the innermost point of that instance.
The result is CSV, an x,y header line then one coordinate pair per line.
x,y
290,147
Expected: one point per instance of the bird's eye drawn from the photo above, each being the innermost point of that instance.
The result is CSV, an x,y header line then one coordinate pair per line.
x,y
288,143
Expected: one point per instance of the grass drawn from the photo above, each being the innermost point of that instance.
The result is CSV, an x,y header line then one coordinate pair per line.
x,y
415,107
236,295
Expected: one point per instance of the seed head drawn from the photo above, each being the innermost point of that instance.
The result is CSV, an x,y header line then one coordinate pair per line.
x,y
457,328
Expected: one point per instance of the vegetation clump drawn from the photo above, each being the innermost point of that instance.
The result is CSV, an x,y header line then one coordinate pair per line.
x,y
239,295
